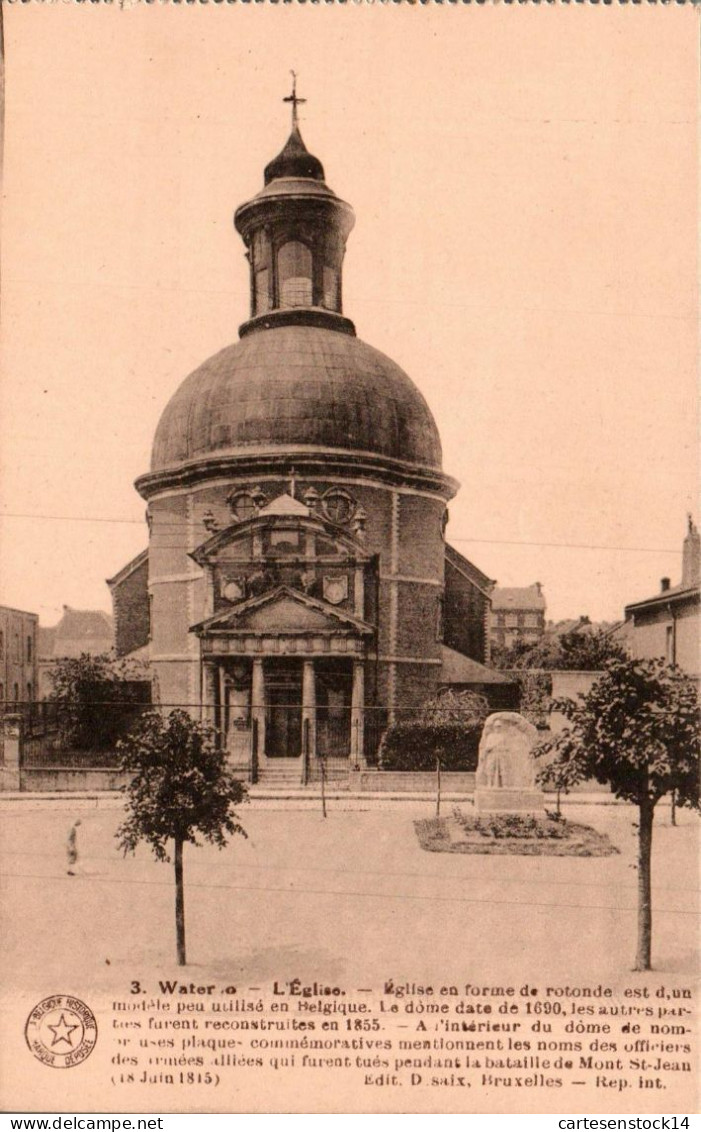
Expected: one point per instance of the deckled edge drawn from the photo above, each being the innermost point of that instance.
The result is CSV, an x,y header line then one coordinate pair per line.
x,y
384,3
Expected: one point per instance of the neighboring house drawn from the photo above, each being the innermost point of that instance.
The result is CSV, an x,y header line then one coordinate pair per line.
x,y
18,656
79,631
518,614
580,624
667,624
621,632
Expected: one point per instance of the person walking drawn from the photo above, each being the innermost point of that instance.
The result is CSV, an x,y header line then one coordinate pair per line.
x,y
72,848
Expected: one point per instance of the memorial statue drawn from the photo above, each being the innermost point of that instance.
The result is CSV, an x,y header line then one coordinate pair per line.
x,y
505,759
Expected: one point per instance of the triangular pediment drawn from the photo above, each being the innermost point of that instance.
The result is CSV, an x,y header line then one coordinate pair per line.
x,y
283,611
285,505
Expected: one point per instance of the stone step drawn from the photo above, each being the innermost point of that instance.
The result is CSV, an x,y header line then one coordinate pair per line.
x,y
290,774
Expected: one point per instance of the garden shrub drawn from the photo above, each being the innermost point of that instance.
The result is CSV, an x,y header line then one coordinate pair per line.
x,y
416,744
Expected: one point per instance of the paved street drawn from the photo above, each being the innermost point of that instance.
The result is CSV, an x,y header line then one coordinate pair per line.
x,y
350,896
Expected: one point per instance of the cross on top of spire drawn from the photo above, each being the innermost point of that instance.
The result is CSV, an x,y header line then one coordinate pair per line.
x,y
294,160
294,99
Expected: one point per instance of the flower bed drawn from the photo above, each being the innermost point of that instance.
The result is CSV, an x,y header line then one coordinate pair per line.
x,y
524,834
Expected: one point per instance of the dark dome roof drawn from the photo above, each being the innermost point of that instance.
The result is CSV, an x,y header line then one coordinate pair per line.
x,y
294,160
297,386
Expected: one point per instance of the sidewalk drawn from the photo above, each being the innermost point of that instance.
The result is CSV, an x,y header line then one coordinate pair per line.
x,y
309,796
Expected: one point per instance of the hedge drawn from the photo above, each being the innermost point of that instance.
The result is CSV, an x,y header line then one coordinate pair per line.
x,y
415,746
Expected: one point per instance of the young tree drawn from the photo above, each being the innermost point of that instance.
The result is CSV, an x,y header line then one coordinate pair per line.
x,y
588,651
582,648
466,710
636,730
561,774
181,789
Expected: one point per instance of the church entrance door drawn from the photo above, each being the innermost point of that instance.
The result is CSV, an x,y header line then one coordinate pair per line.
x,y
283,726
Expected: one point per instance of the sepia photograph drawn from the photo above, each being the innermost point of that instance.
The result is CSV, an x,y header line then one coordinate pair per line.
x,y
350,561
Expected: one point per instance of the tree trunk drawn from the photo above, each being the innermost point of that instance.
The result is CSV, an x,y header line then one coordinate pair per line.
x,y
642,959
179,903
674,808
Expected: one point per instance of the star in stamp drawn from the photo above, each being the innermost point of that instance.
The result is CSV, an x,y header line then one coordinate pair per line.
x,y
61,1031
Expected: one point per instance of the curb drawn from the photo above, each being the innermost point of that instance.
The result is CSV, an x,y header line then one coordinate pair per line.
x,y
113,799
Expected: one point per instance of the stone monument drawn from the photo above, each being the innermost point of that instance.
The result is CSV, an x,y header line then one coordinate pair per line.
x,y
506,770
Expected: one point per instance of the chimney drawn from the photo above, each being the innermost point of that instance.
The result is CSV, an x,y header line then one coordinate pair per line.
x,y
664,584
691,561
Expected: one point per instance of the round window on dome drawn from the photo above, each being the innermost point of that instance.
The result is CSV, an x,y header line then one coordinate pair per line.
x,y
338,506
243,505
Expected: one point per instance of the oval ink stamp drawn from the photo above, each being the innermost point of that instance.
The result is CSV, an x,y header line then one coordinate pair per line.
x,y
61,1031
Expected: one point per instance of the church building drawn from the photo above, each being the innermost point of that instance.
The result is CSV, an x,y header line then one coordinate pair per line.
x,y
300,589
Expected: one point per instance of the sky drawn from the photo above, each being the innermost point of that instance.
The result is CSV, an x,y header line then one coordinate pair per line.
x,y
525,248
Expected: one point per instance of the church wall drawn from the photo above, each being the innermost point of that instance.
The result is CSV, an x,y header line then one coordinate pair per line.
x,y
466,615
130,604
403,529
375,500
417,620
421,546
176,589
385,642
169,610
414,684
177,683
168,540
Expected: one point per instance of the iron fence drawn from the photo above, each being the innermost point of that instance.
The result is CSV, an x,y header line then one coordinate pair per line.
x,y
60,734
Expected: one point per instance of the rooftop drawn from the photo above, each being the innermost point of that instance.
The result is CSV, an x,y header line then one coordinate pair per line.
x,y
518,597
297,388
459,669
78,631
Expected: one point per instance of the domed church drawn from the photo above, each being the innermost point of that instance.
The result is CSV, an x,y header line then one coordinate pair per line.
x,y
298,590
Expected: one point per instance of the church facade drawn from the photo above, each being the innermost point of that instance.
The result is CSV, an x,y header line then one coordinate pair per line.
x,y
300,590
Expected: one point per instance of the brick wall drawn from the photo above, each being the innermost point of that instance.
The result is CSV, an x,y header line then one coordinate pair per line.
x,y
466,609
131,610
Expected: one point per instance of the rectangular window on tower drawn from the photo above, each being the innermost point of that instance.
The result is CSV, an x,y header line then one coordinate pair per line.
x,y
262,291
330,289
294,265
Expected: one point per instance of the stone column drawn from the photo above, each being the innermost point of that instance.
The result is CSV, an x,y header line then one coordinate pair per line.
x,y
222,701
359,592
309,704
209,693
12,738
258,702
358,714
